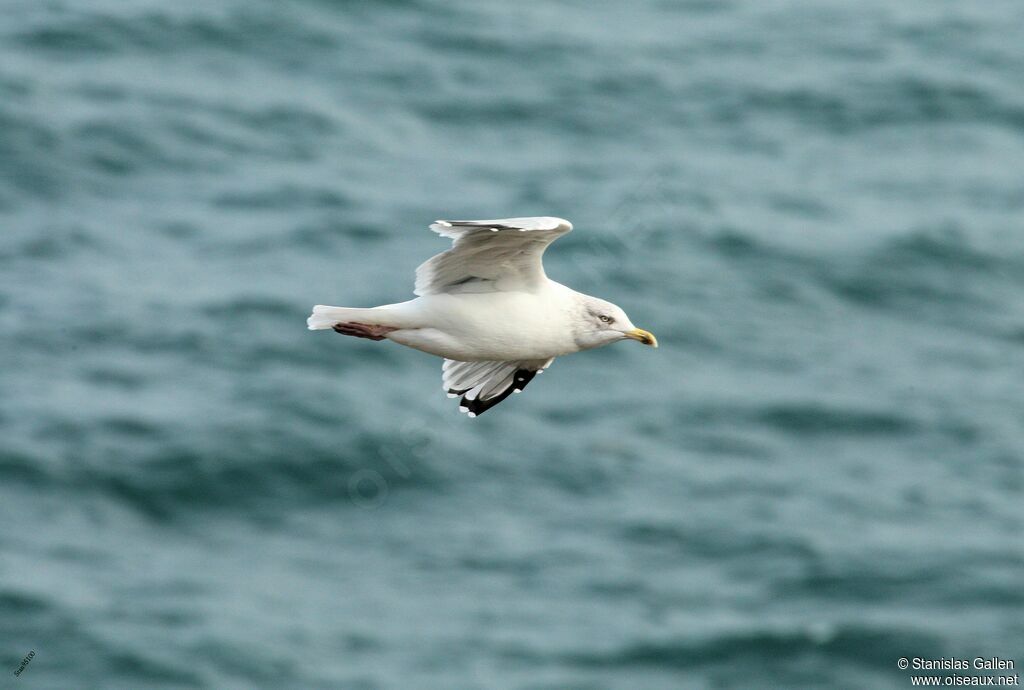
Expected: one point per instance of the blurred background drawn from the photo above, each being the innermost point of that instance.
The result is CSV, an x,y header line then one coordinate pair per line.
x,y
816,206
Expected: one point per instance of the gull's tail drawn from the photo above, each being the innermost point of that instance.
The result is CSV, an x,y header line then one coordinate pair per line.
x,y
324,317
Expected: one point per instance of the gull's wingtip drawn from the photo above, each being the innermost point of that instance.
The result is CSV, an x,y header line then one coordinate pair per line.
x,y
523,224
442,227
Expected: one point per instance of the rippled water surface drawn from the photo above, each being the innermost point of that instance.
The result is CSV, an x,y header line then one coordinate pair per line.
x,y
817,207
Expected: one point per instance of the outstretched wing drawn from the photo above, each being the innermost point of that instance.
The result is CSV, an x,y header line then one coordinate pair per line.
x,y
490,255
483,385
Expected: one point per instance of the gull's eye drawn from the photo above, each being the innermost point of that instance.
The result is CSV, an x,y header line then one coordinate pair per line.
x,y
606,319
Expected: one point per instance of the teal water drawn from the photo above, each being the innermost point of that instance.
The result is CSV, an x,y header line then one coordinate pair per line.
x,y
817,207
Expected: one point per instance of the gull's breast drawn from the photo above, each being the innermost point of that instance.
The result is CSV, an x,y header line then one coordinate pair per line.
x,y
496,326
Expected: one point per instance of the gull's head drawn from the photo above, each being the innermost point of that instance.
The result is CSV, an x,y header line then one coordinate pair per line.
x,y
602,323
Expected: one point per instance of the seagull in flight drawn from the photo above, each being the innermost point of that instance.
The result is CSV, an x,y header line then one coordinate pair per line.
x,y
487,307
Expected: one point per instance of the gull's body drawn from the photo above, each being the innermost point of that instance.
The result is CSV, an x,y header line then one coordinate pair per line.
x,y
487,307
494,326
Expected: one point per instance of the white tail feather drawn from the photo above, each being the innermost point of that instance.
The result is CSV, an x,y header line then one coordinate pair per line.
x,y
324,317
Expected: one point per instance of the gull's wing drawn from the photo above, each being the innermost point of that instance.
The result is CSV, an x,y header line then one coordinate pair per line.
x,y
483,385
490,255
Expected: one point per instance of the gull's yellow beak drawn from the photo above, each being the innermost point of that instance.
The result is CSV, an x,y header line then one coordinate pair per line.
x,y
645,337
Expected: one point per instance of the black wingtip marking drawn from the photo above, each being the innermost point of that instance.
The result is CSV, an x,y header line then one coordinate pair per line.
x,y
477,407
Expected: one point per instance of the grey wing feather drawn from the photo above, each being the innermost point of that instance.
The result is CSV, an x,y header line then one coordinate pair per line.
x,y
482,385
490,255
